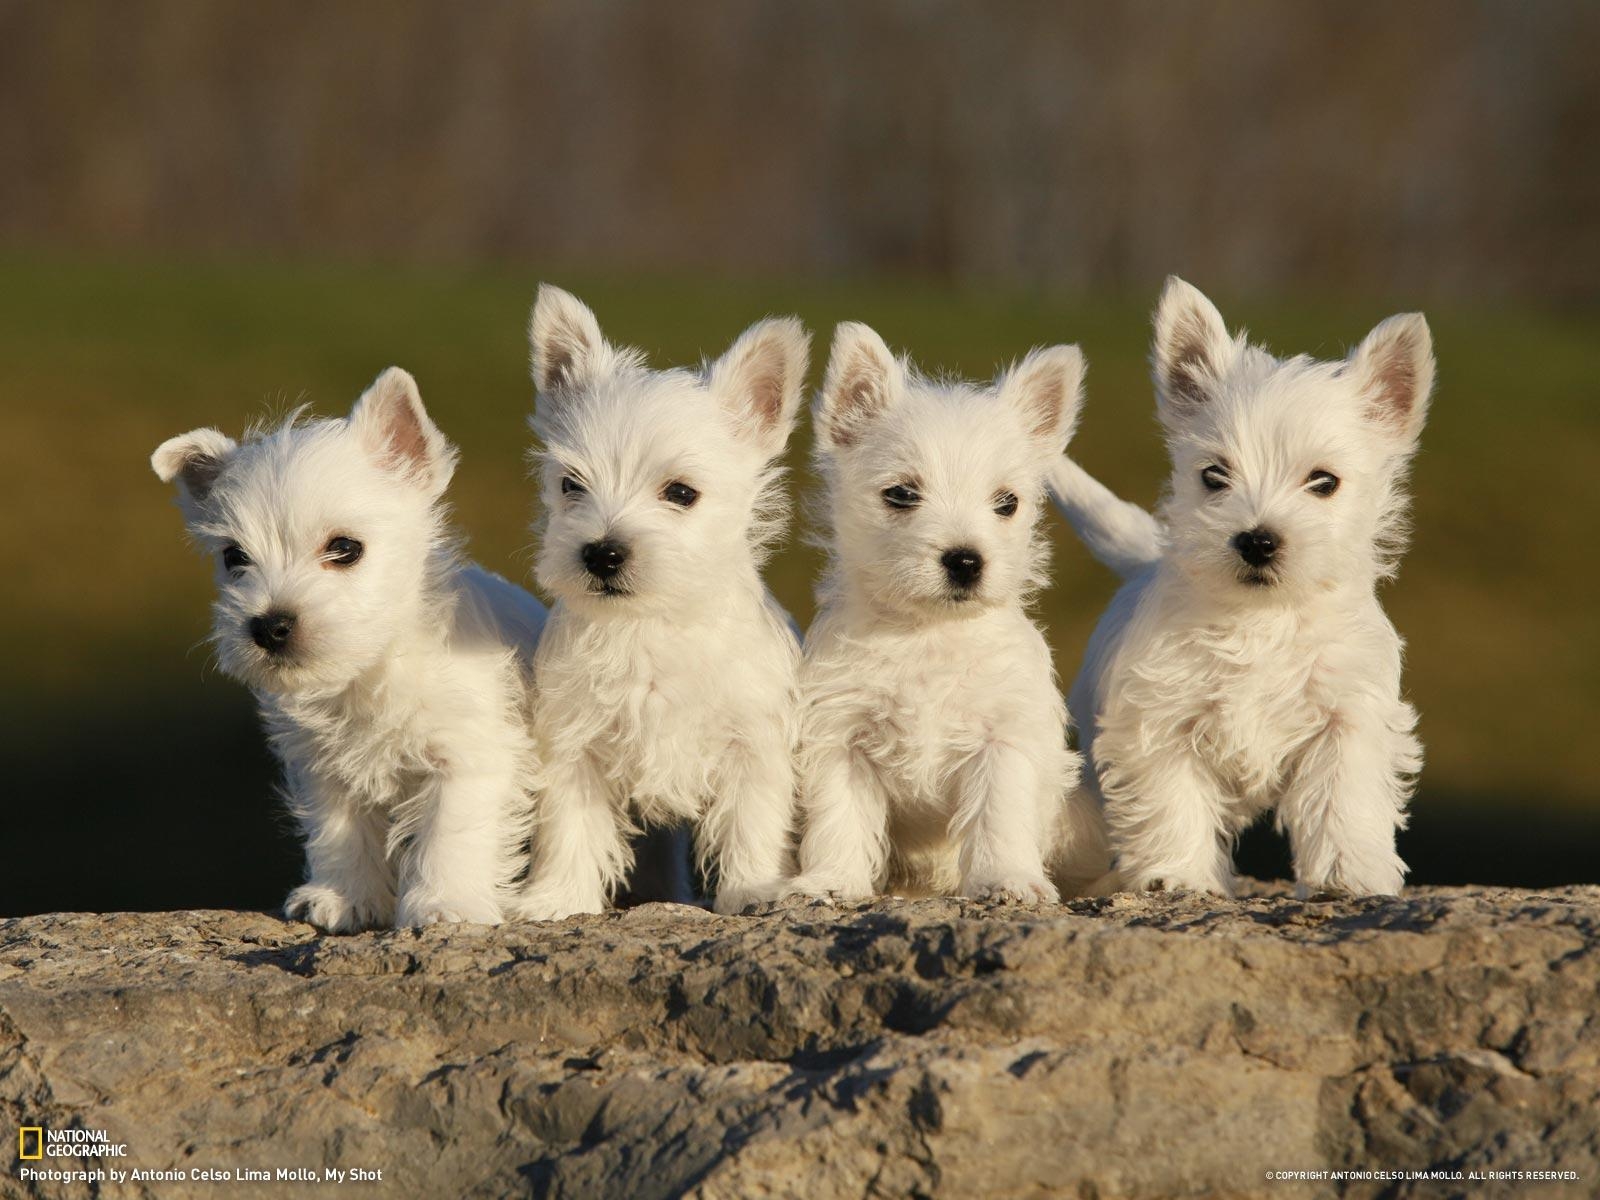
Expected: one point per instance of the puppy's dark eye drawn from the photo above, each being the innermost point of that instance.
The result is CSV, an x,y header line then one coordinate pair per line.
x,y
1322,483
679,493
571,487
1214,477
1005,504
901,496
343,552
234,559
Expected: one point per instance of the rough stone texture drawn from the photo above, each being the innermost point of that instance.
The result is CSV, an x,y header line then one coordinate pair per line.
x,y
1135,1046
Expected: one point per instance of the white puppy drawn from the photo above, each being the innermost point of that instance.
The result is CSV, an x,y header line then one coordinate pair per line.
x,y
666,679
391,676
934,748
1247,664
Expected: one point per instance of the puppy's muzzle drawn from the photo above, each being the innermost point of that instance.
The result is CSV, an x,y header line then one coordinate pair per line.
x,y
1258,547
272,631
603,559
963,567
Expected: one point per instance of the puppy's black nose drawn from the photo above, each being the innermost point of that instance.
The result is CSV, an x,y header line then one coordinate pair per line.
x,y
962,566
604,559
271,631
1256,546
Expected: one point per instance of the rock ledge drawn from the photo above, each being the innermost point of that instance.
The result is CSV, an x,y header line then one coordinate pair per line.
x,y
1142,1046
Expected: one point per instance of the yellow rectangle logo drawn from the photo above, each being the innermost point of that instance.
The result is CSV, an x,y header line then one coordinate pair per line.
x,y
38,1141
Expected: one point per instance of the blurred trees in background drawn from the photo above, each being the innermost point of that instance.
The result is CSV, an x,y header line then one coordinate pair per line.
x,y
1442,148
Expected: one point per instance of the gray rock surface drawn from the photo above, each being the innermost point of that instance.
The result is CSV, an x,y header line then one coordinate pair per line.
x,y
1148,1046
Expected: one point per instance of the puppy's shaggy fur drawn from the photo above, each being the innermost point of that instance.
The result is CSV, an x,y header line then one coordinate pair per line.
x,y
1246,664
391,676
666,679
934,739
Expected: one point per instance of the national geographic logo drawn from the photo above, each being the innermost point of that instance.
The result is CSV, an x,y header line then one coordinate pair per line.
x,y
35,1142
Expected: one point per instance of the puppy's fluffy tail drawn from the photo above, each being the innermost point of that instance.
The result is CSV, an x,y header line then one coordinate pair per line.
x,y
1121,535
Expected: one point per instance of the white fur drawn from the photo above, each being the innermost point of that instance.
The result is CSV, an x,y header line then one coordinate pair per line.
x,y
397,709
672,698
1208,697
934,738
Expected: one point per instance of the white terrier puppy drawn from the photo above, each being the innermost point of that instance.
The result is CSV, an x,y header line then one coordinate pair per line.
x,y
934,749
666,679
1246,664
391,676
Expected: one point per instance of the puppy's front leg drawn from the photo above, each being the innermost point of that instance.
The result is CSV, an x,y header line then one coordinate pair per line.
x,y
456,864
579,852
1081,857
1167,823
999,828
1347,799
349,880
746,828
845,843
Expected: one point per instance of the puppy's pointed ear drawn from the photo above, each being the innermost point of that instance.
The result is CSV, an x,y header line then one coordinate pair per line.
x,y
1191,347
563,340
1394,369
863,380
395,428
193,461
761,376
1047,389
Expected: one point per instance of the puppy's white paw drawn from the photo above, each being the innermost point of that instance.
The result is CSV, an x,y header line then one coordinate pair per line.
x,y
1011,889
541,905
1178,881
330,910
734,898
417,908
815,885
1355,879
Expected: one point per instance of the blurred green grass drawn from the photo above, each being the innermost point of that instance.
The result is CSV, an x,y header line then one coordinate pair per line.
x,y
101,361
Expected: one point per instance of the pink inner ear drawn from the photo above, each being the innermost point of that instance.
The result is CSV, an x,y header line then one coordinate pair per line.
x,y
1045,406
407,443
561,340
1394,383
401,441
200,473
766,398
558,360
855,404
1187,360
858,401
